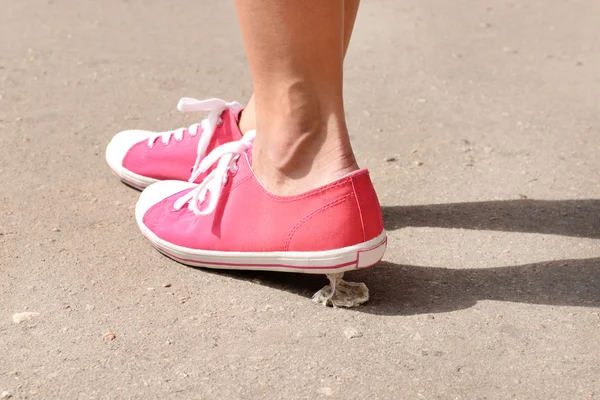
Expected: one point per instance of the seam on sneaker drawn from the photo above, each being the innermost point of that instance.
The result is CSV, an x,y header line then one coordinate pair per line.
x,y
312,214
314,192
127,156
287,199
163,216
362,220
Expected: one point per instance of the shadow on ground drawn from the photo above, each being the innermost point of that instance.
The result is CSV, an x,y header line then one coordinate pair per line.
x,y
579,218
409,289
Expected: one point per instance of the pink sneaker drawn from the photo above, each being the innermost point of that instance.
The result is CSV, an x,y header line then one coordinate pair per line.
x,y
141,158
230,221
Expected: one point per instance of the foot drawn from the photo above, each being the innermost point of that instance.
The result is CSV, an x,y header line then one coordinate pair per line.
x,y
141,158
230,221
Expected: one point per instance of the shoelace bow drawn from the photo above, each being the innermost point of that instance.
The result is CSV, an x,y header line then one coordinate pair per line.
x,y
226,156
207,126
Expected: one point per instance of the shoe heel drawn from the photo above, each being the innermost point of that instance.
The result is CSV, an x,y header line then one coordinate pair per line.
x,y
369,257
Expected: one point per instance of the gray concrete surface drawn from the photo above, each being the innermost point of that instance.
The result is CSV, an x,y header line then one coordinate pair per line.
x,y
489,288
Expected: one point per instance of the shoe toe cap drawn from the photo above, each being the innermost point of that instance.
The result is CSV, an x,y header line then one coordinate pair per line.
x,y
121,143
156,193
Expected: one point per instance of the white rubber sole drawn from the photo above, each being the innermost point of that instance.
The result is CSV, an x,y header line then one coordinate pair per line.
x,y
132,179
359,256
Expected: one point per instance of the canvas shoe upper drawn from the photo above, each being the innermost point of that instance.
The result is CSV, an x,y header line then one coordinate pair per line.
x,y
141,157
231,221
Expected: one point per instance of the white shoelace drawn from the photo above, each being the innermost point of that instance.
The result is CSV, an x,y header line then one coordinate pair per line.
x,y
226,157
208,125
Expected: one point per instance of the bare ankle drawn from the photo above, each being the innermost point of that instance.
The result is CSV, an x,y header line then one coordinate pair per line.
x,y
302,140
288,165
247,120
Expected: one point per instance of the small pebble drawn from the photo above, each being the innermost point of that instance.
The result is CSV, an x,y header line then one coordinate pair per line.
x,y
418,163
110,335
167,285
391,159
55,230
352,333
24,316
5,395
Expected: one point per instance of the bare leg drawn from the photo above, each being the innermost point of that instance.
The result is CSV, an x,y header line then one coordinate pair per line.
x,y
296,61
248,119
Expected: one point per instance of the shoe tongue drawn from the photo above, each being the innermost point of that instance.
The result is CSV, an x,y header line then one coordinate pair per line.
x,y
231,129
238,115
